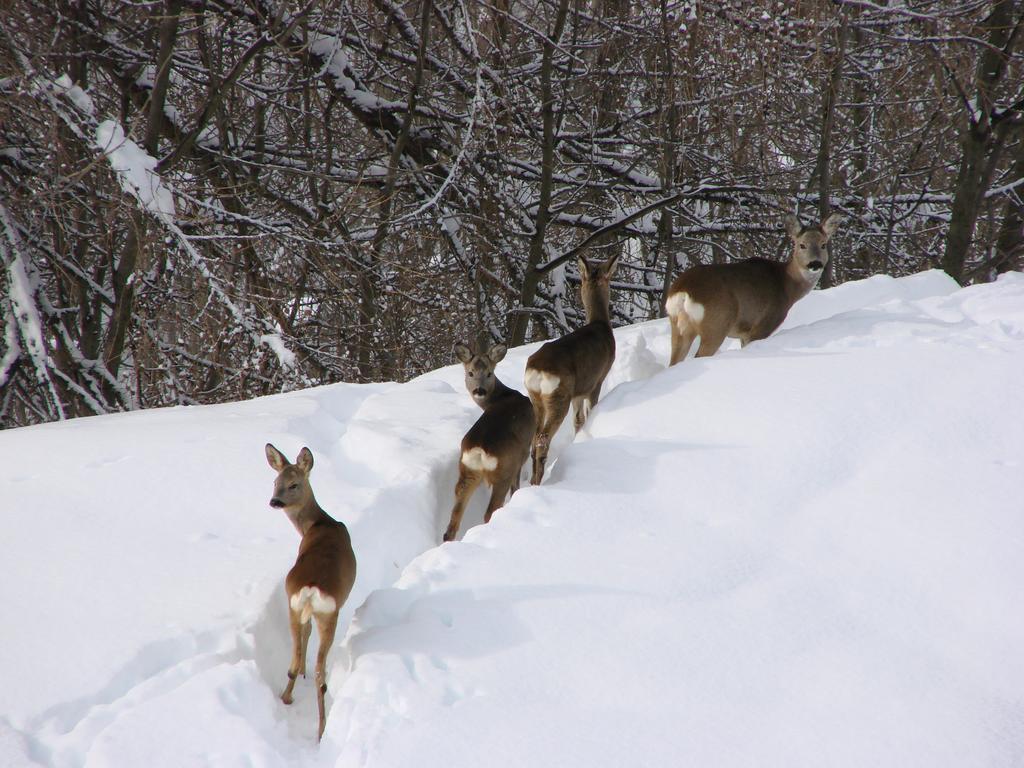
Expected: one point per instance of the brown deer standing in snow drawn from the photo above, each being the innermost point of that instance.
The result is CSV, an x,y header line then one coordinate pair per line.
x,y
746,300
496,446
573,368
324,571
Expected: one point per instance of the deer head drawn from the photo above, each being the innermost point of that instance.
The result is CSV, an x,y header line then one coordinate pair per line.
x,y
810,244
595,288
479,368
291,487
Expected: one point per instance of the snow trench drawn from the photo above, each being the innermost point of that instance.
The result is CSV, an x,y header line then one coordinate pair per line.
x,y
644,606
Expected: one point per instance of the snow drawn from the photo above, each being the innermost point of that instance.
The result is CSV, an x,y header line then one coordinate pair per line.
x,y
23,305
146,77
336,64
135,170
12,349
284,355
805,552
78,97
24,325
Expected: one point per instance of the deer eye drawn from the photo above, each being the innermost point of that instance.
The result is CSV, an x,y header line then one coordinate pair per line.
x,y
293,486
803,246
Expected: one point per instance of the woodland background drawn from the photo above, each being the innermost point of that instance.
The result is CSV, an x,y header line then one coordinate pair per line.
x,y
359,184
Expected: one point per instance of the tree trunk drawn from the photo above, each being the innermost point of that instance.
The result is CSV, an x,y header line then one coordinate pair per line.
x,y
980,147
131,253
369,276
822,169
1010,244
665,243
520,321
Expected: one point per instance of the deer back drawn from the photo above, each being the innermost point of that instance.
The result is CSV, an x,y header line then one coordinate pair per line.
x,y
583,356
325,560
744,293
505,427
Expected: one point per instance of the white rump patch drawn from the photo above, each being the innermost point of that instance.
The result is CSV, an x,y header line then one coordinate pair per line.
x,y
541,381
694,309
680,304
310,600
478,460
674,305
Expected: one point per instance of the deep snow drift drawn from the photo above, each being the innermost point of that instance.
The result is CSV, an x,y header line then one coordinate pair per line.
x,y
806,552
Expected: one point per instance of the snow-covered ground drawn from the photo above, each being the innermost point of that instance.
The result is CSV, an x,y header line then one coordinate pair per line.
x,y
808,552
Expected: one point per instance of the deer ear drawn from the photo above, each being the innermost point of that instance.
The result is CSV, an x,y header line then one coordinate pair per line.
x,y
583,267
792,227
497,353
305,460
275,458
608,268
831,224
462,352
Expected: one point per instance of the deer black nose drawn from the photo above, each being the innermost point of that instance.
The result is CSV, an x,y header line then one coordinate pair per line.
x,y
815,265
479,392
276,503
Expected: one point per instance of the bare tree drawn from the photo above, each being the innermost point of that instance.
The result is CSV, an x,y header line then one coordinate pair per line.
x,y
206,200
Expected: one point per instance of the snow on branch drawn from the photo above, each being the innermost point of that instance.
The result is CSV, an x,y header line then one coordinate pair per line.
x,y
22,286
135,170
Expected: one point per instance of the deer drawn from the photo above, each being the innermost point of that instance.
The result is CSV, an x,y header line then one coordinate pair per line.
x,y
495,448
572,369
324,571
746,300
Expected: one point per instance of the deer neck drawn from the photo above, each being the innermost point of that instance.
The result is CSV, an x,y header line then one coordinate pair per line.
x,y
499,392
799,282
596,304
306,516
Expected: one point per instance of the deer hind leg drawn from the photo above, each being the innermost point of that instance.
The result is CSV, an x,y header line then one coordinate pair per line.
x,y
710,345
326,624
464,487
712,335
556,405
715,327
300,633
499,491
307,630
683,335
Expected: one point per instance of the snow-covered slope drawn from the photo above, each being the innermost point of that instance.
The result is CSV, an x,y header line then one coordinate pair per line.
x,y
806,552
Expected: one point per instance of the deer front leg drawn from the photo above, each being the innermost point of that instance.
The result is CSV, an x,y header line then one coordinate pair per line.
x,y
326,624
517,477
593,397
464,487
763,330
298,652
580,411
